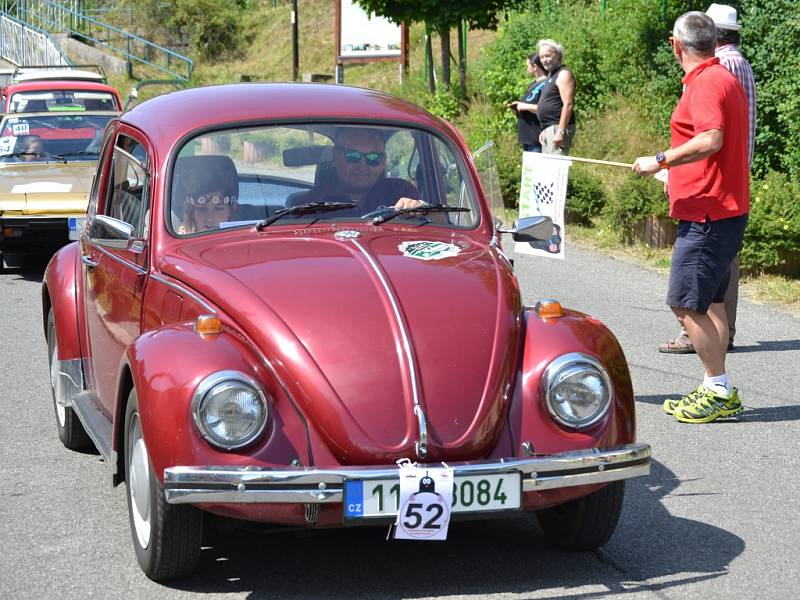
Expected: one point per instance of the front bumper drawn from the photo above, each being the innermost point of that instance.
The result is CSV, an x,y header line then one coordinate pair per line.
x,y
308,485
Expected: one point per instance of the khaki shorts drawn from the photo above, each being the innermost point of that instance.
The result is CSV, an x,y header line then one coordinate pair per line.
x,y
550,132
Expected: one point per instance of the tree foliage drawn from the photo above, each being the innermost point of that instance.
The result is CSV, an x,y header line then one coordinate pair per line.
x,y
210,27
441,14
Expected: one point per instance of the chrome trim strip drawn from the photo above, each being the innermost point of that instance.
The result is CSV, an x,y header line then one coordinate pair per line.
x,y
186,485
419,412
208,308
127,263
97,425
69,382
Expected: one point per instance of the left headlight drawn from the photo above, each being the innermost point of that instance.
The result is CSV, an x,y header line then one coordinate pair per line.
x,y
229,409
577,390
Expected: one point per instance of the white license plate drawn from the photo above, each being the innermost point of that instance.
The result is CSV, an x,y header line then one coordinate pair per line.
x,y
75,226
471,493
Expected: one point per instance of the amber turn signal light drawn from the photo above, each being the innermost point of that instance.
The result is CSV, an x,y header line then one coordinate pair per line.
x,y
549,309
207,325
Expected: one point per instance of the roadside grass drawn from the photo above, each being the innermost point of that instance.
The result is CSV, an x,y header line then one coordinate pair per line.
x,y
779,290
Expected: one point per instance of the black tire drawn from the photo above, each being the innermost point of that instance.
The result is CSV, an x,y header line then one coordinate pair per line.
x,y
70,429
586,523
166,537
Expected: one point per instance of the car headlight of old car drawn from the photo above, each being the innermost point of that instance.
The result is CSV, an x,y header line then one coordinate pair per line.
x,y
229,409
577,390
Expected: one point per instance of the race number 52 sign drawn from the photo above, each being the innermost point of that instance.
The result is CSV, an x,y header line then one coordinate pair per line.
x,y
426,498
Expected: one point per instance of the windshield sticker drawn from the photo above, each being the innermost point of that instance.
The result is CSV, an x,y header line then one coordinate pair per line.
x,y
20,129
424,250
7,144
41,187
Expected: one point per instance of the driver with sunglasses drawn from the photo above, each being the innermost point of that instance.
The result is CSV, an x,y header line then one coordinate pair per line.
x,y
359,161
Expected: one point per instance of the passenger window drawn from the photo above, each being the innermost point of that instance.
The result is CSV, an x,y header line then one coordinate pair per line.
x,y
128,197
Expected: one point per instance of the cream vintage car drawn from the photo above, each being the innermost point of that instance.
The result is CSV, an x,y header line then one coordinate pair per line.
x,y
47,161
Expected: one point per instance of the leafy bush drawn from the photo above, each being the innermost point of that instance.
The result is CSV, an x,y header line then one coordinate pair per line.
x,y
636,198
444,103
770,30
774,226
585,196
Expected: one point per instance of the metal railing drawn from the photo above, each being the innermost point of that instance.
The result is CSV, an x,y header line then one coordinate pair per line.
x,y
21,44
69,17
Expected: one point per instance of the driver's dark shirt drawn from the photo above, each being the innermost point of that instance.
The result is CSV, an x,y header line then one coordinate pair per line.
x,y
386,192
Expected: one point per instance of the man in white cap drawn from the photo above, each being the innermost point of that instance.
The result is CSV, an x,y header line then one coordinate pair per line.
x,y
730,56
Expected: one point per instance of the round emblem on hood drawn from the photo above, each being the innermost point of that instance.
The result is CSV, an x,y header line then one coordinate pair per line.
x,y
347,234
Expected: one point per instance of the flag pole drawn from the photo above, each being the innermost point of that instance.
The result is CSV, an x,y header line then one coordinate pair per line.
x,y
595,161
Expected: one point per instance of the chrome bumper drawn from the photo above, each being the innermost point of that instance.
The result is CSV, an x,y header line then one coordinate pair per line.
x,y
308,485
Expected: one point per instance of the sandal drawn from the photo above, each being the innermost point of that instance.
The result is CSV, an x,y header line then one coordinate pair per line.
x,y
680,345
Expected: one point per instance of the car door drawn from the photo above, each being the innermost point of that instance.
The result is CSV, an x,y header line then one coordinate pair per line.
x,y
114,262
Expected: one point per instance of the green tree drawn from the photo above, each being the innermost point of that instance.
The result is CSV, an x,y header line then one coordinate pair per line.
x,y
210,27
444,15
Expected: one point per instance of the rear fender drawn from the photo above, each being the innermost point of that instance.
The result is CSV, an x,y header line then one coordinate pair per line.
x,y
60,291
533,428
166,366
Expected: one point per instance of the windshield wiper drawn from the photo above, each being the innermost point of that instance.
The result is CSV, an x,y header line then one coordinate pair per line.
x,y
36,154
81,153
423,208
303,209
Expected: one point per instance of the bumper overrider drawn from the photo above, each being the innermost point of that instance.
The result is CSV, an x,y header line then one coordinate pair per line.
x,y
309,485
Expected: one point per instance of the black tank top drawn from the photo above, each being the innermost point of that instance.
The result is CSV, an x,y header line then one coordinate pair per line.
x,y
550,103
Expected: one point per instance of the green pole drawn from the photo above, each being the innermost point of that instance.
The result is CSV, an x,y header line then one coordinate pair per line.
x,y
603,6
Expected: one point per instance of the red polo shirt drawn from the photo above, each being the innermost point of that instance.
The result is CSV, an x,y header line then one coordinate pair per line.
x,y
718,185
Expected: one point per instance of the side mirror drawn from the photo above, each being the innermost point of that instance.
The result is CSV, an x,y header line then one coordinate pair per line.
x,y
111,233
530,229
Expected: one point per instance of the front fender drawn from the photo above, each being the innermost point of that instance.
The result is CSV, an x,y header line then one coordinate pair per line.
x,y
60,291
167,365
533,428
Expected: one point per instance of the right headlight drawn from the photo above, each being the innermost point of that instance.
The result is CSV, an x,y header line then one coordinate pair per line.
x,y
577,390
229,409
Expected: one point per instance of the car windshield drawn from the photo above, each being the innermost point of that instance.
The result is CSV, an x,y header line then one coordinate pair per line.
x,y
63,137
61,101
286,174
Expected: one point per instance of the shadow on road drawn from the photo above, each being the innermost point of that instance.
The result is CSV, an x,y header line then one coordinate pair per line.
x,y
479,558
770,346
31,270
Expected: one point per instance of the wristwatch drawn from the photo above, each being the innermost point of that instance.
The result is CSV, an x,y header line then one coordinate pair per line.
x,y
562,131
661,159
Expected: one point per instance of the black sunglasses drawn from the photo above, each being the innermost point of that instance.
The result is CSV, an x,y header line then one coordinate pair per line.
x,y
373,159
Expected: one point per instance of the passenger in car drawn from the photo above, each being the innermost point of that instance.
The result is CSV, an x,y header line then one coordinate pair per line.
x,y
358,175
205,190
29,147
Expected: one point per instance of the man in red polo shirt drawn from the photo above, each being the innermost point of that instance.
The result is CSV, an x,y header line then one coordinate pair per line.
x,y
709,194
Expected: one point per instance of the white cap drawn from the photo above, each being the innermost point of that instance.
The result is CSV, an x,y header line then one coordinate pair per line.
x,y
724,16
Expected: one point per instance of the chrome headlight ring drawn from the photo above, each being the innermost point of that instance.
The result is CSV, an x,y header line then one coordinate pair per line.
x,y
230,410
577,390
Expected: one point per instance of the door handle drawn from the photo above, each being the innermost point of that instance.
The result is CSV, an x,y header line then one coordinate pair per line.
x,y
87,260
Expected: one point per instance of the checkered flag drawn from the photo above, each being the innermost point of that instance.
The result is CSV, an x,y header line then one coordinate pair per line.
x,y
543,191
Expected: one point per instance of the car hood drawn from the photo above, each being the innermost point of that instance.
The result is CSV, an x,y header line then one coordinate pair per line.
x,y
45,188
362,329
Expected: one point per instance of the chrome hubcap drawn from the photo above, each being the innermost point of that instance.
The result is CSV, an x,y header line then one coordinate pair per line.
x,y
139,483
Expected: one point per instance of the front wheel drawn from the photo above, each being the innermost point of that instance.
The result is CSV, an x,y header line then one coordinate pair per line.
x,y
166,536
70,429
586,523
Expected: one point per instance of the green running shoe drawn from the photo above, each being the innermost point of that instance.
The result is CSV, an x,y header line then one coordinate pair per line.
x,y
670,405
707,407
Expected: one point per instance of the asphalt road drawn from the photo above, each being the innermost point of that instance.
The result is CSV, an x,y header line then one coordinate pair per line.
x,y
717,518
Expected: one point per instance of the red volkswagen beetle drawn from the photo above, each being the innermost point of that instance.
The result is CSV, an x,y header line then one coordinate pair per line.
x,y
287,295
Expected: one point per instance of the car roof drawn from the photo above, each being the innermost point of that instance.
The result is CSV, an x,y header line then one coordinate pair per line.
x,y
63,74
170,116
59,84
